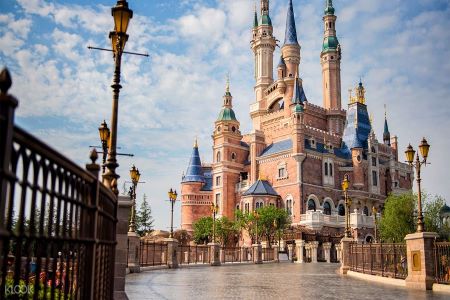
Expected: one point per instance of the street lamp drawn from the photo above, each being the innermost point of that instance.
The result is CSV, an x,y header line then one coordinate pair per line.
x,y
172,198
375,219
135,175
424,148
104,133
214,210
348,203
256,219
122,15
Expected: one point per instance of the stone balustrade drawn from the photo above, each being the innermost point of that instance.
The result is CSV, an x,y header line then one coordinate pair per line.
x,y
317,219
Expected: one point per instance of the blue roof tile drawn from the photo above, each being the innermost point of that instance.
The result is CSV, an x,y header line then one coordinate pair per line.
x,y
194,171
358,126
261,187
208,181
290,37
299,93
277,147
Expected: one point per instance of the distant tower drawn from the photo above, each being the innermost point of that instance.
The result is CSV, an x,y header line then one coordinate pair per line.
x,y
228,158
386,133
331,61
263,45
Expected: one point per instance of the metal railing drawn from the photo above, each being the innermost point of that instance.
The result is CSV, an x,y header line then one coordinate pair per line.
x,y
196,254
57,221
268,254
152,253
442,262
387,260
233,254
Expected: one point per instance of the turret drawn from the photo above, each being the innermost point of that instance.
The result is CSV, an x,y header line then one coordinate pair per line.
x,y
291,47
386,133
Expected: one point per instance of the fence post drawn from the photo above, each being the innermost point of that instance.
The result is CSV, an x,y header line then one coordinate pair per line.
x,y
172,256
345,255
134,252
214,254
419,251
8,105
276,256
257,253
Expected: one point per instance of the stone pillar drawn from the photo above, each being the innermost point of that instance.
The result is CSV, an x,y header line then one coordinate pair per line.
x,y
214,254
314,246
120,266
300,244
419,251
244,256
264,245
257,253
186,256
291,252
172,257
345,255
338,252
326,249
276,256
222,256
134,244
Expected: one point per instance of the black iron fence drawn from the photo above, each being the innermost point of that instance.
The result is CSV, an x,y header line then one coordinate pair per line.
x,y
388,260
233,254
196,254
442,262
57,221
152,253
268,254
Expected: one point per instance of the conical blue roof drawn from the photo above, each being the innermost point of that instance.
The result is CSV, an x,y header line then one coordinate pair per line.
x,y
299,93
386,128
194,171
358,126
290,37
261,187
282,63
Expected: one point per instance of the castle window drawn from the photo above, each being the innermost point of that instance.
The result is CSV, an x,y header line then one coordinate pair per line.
x,y
259,204
218,180
331,169
247,208
327,208
374,161
218,157
289,207
233,129
365,211
341,210
311,205
374,178
328,178
282,171
219,128
326,169
233,156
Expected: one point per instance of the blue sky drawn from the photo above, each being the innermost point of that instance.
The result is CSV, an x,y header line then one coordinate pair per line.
x,y
399,48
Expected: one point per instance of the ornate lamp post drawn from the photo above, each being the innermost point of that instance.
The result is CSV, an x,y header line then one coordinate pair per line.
x,y
104,133
424,148
375,219
135,175
214,210
256,219
122,15
172,198
348,203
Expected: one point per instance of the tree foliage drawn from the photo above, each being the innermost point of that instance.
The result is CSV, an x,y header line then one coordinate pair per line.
x,y
271,220
226,232
144,220
202,230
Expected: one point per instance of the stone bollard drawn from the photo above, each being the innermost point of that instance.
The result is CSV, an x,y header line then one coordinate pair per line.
x,y
222,256
172,257
257,253
300,244
345,255
326,249
214,254
420,257
133,252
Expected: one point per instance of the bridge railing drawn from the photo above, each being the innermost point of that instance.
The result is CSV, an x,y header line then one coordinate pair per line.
x,y
442,262
152,253
193,254
57,221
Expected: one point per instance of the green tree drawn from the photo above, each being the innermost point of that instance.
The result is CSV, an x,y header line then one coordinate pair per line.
x,y
398,217
431,210
144,220
203,230
225,231
271,220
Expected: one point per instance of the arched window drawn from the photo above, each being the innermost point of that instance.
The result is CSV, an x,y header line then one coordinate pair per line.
x,y
341,210
326,169
218,156
365,211
233,156
311,205
327,208
331,169
259,204
289,207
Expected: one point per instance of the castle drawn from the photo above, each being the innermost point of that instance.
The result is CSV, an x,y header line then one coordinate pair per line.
x,y
297,153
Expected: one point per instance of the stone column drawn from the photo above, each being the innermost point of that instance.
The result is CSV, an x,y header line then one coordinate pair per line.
x,y
326,249
134,252
314,246
214,254
264,245
172,257
244,256
300,244
120,266
276,256
291,252
338,252
257,253
222,256
419,251
345,255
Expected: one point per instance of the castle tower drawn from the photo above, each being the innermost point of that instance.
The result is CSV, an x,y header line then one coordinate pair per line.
x,y
386,133
297,108
229,157
263,45
291,48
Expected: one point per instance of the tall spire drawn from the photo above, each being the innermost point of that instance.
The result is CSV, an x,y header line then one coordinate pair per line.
x,y
386,133
255,20
194,172
329,9
299,96
290,37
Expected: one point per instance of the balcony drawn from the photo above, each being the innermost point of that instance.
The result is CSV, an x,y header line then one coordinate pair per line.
x,y
316,220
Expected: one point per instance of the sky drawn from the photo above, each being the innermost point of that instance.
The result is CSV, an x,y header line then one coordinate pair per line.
x,y
400,49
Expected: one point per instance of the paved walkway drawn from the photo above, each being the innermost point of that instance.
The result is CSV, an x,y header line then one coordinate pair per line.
x,y
267,281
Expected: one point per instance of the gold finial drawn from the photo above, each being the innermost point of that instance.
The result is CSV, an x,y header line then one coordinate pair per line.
x,y
360,93
195,142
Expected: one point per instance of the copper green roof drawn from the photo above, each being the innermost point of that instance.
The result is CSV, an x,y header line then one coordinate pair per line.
x,y
226,114
255,21
329,9
330,43
265,20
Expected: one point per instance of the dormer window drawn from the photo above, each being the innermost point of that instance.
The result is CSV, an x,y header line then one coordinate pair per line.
x,y
282,171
